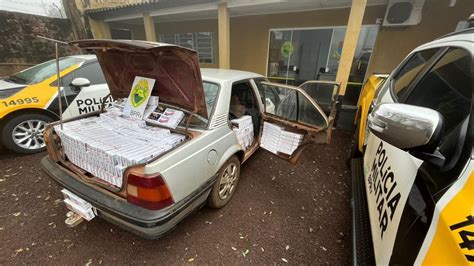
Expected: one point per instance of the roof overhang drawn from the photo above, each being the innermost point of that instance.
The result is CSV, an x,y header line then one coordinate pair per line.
x,y
179,10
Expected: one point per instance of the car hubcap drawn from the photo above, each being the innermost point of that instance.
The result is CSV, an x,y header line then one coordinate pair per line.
x,y
227,182
29,134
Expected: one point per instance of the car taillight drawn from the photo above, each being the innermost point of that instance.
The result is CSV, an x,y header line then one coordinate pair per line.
x,y
149,192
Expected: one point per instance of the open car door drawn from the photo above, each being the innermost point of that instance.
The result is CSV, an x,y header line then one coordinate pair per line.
x,y
293,119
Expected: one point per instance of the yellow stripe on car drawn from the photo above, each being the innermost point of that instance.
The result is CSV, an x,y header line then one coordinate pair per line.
x,y
454,237
363,104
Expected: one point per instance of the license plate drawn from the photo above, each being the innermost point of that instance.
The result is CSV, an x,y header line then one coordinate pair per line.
x,y
78,205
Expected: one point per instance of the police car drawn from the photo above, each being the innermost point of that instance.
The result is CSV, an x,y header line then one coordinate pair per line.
x,y
29,99
413,190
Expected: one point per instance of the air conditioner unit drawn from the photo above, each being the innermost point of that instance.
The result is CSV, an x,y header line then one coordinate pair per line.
x,y
403,13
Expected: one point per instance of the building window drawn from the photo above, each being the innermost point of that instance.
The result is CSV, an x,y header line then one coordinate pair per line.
x,y
123,34
298,55
202,42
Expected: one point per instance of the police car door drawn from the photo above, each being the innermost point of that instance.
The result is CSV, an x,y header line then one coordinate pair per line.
x,y
83,100
404,185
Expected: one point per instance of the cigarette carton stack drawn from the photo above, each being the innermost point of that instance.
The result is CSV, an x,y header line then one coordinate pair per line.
x,y
243,128
106,145
270,137
289,142
275,139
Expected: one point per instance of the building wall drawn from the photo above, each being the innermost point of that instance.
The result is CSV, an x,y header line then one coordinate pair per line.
x,y
249,35
19,44
393,44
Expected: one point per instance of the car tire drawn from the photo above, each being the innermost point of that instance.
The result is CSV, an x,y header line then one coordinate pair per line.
x,y
22,126
226,184
354,151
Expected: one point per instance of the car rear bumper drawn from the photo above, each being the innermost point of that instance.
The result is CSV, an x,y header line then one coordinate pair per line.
x,y
362,247
143,222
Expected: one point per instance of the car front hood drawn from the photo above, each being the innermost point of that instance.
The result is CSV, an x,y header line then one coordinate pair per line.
x,y
175,70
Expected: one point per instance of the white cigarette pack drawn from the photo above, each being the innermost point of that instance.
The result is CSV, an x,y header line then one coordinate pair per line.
x,y
275,139
243,129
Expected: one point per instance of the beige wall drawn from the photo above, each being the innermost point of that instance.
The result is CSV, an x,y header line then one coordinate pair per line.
x,y
393,44
249,35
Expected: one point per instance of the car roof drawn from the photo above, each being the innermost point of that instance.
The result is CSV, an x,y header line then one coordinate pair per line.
x,y
224,75
461,36
84,56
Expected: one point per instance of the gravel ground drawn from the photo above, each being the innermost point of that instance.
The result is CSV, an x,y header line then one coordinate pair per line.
x,y
279,214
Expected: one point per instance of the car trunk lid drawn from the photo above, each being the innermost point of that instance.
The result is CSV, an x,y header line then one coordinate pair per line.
x,y
175,69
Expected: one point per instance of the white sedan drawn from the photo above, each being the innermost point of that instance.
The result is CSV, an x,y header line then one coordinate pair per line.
x,y
204,169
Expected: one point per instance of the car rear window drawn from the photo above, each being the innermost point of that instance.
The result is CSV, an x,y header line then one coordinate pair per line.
x,y
211,91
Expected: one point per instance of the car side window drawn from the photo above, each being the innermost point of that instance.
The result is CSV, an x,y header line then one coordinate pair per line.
x,y
410,70
211,91
447,88
242,101
292,105
92,72
270,96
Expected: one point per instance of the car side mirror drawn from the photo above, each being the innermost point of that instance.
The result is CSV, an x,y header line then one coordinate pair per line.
x,y
78,83
408,127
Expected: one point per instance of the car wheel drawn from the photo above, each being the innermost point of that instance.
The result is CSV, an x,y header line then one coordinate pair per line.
x,y
24,133
354,147
226,183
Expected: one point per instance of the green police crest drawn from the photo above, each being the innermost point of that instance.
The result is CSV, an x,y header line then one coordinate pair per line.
x,y
140,93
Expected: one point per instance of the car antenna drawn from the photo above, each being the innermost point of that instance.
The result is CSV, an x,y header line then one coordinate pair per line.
x,y
56,43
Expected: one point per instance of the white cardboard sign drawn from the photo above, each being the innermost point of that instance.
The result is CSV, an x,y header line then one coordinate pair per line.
x,y
138,98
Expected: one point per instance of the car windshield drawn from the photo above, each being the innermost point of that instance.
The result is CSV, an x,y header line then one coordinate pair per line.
x,y
43,71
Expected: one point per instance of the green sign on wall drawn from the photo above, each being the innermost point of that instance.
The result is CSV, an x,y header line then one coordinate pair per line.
x,y
287,49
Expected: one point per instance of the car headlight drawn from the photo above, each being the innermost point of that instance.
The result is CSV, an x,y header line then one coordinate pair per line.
x,y
5,93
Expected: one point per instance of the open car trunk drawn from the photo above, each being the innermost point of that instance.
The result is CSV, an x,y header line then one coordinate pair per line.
x,y
101,148
101,151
